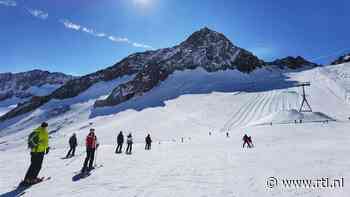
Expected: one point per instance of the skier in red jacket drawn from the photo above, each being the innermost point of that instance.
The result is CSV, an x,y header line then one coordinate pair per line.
x,y
91,146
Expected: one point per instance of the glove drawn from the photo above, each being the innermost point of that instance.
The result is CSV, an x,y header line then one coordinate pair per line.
x,y
47,150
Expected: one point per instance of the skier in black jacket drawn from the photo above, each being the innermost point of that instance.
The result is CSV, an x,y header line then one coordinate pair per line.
x,y
148,141
120,141
72,144
246,140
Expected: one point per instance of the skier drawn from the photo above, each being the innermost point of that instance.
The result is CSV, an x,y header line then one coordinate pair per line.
x,y
246,140
91,146
39,143
227,134
250,142
129,141
148,141
120,141
72,144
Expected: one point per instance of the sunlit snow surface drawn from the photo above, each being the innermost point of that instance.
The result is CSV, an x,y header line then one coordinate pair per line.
x,y
188,105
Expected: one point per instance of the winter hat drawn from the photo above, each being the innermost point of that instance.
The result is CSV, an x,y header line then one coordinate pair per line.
x,y
44,125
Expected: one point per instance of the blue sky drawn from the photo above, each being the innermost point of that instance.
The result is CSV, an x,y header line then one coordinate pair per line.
x,y
80,36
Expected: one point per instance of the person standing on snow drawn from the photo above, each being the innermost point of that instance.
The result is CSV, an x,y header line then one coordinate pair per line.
x,y
39,147
72,144
250,142
246,140
91,146
148,141
129,141
120,141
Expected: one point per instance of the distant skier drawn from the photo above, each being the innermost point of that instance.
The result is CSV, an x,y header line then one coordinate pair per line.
x,y
209,133
250,142
148,141
120,141
91,146
246,141
227,134
38,142
129,142
72,144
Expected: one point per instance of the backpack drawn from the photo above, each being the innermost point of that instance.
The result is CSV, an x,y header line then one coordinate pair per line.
x,y
33,140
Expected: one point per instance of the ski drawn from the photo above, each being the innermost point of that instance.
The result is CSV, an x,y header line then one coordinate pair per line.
x,y
26,185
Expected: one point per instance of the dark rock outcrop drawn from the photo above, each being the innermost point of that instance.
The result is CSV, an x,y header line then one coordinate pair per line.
x,y
144,81
18,84
341,60
205,48
293,63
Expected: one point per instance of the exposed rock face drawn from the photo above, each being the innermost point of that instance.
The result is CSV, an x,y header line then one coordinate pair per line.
x,y
144,81
19,84
28,106
293,63
341,60
76,86
205,48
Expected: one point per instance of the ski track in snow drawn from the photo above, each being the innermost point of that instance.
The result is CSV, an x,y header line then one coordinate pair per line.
x,y
203,166
259,106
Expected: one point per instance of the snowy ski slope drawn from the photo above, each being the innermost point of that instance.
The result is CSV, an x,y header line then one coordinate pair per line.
x,y
188,105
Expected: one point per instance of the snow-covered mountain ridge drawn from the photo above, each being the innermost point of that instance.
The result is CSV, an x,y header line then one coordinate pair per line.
x,y
205,48
22,85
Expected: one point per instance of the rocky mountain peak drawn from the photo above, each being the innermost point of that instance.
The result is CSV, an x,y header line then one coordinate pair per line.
x,y
293,62
205,37
342,59
21,84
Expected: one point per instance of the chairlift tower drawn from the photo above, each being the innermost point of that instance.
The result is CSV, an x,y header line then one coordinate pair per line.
x,y
304,102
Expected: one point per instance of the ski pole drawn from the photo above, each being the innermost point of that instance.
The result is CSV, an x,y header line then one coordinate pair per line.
x,y
95,162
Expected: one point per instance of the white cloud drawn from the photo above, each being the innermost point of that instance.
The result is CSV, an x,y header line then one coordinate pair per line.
x,y
87,30
70,25
100,34
139,45
118,39
38,13
9,3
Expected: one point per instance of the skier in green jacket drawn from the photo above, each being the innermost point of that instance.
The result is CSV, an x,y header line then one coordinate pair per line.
x,y
39,147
